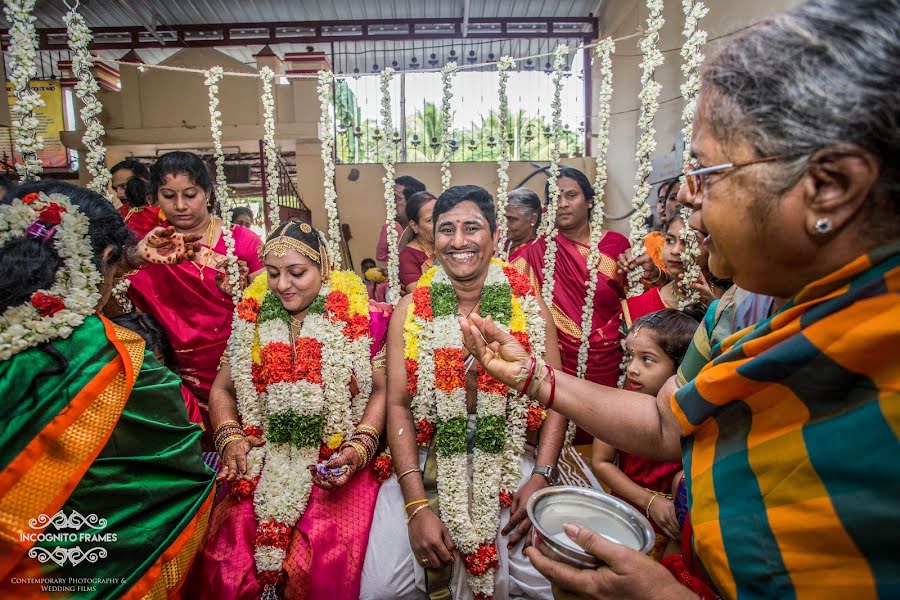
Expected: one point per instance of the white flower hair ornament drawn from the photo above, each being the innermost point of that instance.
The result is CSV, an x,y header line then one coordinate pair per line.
x,y
50,313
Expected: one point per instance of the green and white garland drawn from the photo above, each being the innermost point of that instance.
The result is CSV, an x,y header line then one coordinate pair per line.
x,y
559,62
387,125
604,52
649,96
447,74
79,38
213,76
692,57
503,66
326,135
23,48
266,74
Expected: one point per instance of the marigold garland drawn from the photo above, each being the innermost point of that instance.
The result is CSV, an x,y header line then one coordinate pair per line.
x,y
649,96
281,393
435,365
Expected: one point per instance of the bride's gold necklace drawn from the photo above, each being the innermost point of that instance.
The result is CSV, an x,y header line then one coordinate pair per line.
x,y
209,235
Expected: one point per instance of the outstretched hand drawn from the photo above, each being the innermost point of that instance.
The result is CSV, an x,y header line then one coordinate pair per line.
x,y
498,352
628,574
164,246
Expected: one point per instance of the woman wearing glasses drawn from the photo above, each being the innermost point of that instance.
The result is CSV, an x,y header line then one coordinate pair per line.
x,y
796,186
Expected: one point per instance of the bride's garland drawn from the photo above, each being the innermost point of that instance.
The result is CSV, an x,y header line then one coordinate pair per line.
x,y
296,397
436,380
56,312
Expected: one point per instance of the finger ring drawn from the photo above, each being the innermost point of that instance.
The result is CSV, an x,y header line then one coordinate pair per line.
x,y
425,561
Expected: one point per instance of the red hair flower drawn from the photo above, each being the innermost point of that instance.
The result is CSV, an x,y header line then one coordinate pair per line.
x,y
46,304
51,214
30,198
383,466
424,432
535,418
482,560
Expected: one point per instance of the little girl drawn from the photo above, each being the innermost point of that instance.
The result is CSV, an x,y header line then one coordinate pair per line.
x,y
655,347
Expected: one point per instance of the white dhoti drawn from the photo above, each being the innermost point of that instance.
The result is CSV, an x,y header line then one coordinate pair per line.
x,y
390,570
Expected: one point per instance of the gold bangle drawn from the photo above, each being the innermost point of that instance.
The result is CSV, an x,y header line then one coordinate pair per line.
x,y
647,510
405,473
361,451
363,428
220,447
222,434
415,512
225,424
414,502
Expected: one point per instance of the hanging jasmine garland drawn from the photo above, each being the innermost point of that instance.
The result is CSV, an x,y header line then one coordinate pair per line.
x,y
649,96
23,47
393,239
447,74
272,177
604,52
559,63
503,66
79,37
692,57
326,134
215,118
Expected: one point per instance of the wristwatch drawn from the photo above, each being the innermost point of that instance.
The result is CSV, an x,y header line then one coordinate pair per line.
x,y
551,474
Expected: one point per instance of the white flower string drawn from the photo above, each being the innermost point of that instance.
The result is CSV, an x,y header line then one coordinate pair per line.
x,y
649,96
447,73
53,313
266,74
79,38
326,135
692,57
213,76
550,231
604,52
503,66
23,47
388,161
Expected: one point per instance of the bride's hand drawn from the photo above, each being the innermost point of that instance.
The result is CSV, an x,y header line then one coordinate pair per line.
x,y
499,352
347,458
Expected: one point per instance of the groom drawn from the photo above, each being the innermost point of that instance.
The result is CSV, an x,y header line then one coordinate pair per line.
x,y
404,562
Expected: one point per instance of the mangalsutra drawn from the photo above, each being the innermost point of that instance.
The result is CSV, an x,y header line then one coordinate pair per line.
x,y
209,236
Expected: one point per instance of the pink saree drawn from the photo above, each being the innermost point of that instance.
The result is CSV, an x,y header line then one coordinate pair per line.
x,y
328,545
194,313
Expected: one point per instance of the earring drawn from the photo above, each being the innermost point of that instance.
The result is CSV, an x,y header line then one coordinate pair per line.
x,y
823,226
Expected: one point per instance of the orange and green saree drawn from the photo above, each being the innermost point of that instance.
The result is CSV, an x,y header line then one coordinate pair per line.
x,y
103,492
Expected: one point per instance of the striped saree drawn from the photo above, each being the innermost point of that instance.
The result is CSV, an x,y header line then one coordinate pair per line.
x,y
790,447
97,452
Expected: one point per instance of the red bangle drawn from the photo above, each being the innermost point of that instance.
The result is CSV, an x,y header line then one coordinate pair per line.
x,y
530,376
552,387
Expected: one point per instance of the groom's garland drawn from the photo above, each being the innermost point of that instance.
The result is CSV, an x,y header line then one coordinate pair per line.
x,y
436,380
282,385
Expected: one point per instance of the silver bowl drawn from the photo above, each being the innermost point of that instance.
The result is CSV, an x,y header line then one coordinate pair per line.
x,y
609,516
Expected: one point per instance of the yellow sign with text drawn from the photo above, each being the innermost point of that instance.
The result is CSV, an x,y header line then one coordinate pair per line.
x,y
50,123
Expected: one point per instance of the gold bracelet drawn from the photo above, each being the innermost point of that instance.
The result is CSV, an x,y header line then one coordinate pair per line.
x,y
364,428
224,433
225,424
361,452
220,447
415,512
414,502
647,510
405,473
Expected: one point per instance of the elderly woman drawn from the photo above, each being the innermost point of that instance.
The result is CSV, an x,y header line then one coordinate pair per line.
x,y
789,435
94,426
523,215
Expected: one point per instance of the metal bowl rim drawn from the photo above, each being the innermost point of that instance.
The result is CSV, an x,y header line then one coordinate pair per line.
x,y
608,499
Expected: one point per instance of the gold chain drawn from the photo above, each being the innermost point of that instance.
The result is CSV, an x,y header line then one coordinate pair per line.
x,y
209,235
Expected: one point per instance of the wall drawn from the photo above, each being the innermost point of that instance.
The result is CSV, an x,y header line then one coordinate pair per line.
x,y
621,18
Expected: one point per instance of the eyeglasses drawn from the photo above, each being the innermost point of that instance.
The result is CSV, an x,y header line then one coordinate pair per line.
x,y
696,179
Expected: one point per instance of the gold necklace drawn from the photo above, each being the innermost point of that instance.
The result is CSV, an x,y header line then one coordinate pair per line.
x,y
209,232
294,329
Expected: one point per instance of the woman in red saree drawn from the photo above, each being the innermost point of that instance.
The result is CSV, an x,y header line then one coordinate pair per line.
x,y
417,254
191,300
569,292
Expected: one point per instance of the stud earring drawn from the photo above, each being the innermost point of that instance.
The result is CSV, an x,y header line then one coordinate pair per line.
x,y
823,226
